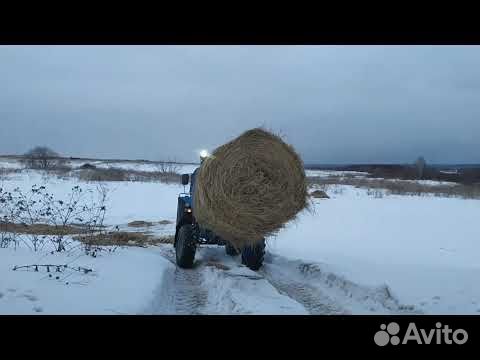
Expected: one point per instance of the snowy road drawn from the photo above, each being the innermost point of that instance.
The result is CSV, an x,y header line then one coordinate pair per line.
x,y
219,284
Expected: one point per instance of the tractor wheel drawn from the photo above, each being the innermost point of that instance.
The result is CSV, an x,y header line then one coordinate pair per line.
x,y
185,247
252,256
230,250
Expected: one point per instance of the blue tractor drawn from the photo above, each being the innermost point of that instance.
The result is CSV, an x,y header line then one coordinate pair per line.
x,y
190,234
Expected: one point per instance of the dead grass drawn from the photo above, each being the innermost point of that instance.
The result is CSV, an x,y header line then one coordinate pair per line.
x,y
41,229
114,238
165,222
124,238
117,174
401,187
168,239
139,223
111,174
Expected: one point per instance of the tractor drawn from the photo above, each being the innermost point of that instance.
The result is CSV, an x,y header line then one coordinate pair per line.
x,y
189,234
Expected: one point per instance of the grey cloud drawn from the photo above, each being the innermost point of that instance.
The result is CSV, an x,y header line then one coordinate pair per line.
x,y
333,103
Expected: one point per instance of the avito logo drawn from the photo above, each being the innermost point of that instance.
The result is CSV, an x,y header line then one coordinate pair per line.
x,y
390,335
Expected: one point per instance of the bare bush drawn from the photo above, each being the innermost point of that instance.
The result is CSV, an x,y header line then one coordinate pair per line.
x,y
167,167
165,177
40,218
43,158
110,174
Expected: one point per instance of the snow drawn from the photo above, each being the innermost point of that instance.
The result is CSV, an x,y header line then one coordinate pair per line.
x,y
327,173
12,163
127,201
424,248
6,163
240,290
138,166
432,182
353,254
120,283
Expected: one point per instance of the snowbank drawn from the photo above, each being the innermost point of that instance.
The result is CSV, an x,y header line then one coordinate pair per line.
x,y
121,282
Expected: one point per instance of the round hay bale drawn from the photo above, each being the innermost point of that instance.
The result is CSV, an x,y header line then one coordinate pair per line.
x,y
249,188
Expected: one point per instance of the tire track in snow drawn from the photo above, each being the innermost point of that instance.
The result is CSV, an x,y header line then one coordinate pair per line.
x,y
318,291
218,285
322,292
311,298
189,296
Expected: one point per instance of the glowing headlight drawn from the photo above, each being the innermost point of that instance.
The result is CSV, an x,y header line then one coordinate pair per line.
x,y
203,153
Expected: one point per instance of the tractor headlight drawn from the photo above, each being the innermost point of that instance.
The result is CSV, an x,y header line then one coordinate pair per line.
x,y
203,153
188,210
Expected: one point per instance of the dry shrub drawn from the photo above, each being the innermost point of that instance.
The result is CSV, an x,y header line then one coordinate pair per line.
x,y
250,188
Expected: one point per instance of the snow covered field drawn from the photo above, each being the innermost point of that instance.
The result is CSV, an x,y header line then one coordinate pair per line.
x,y
353,254
326,173
11,163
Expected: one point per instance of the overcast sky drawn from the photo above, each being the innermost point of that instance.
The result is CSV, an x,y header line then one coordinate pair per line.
x,y
335,104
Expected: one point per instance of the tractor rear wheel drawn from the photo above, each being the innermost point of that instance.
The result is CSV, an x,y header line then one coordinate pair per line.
x,y
185,247
252,256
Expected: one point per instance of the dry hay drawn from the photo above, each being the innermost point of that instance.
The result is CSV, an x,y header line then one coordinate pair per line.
x,y
249,188
319,194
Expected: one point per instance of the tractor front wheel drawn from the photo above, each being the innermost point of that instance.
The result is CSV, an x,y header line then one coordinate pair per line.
x,y
252,256
230,250
185,247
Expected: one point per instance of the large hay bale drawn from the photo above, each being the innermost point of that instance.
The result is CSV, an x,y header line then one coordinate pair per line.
x,y
249,188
